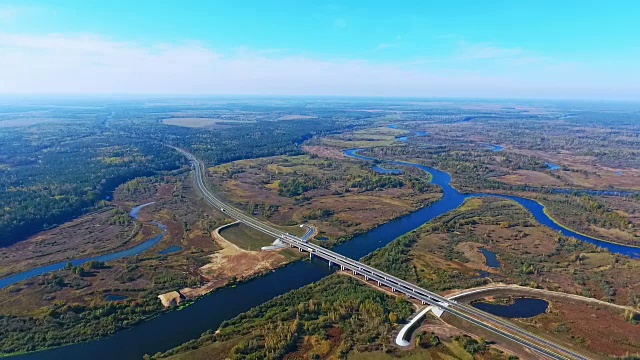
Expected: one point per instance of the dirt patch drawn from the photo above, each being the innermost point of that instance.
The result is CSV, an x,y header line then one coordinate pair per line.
x,y
172,298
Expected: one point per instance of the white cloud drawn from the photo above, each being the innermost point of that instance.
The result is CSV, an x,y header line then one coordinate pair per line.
x,y
91,64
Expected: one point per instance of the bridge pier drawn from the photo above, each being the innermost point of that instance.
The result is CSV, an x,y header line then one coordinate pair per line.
x,y
342,267
329,263
378,283
366,278
393,290
422,301
310,255
354,272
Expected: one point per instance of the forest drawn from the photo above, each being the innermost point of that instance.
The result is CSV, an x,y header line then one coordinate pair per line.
x,y
51,172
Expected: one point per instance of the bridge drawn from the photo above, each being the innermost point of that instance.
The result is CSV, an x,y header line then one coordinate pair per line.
x,y
496,325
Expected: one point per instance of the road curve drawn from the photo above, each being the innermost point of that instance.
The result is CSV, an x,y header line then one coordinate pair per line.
x,y
468,313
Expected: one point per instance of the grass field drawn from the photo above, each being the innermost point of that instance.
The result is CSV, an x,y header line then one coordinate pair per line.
x,y
246,237
381,136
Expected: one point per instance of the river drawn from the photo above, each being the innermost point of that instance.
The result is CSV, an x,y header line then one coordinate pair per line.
x,y
173,328
138,249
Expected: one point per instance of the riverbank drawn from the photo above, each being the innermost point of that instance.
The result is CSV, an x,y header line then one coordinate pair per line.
x,y
75,239
444,181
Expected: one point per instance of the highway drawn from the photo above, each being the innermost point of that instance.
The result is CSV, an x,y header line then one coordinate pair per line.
x,y
466,312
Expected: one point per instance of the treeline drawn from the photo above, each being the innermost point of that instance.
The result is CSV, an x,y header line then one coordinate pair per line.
x,y
582,212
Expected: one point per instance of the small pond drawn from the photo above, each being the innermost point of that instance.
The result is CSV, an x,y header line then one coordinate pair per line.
x,y
322,238
520,308
491,258
402,138
112,297
552,166
170,250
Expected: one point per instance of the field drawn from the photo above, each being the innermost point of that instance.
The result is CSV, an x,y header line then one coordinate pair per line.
x,y
377,136
246,237
338,197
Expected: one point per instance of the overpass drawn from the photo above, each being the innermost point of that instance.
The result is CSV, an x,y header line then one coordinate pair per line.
x,y
466,312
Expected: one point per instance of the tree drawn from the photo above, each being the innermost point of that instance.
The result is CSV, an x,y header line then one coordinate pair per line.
x,y
393,317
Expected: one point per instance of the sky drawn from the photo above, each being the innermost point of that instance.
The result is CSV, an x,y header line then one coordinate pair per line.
x,y
426,48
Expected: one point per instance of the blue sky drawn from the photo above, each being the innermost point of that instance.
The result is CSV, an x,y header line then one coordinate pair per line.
x,y
535,49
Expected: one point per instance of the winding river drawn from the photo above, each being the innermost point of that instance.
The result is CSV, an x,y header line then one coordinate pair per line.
x,y
443,180
173,328
138,249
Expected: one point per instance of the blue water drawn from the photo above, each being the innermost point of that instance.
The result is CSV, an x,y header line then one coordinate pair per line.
x,y
421,133
322,238
111,297
552,166
170,250
13,279
402,138
491,258
496,148
454,198
210,311
521,308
